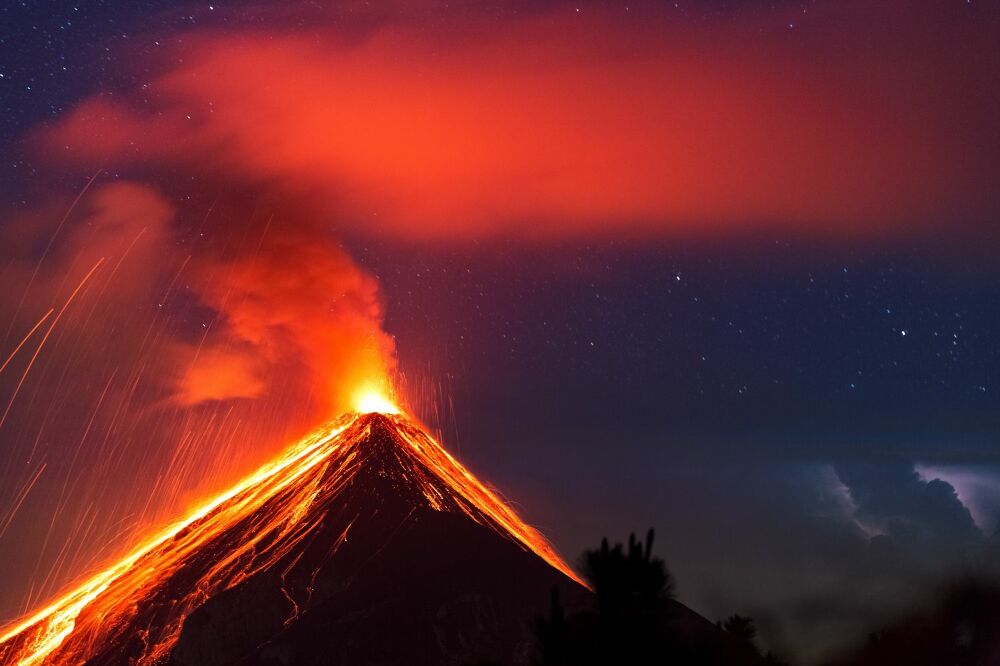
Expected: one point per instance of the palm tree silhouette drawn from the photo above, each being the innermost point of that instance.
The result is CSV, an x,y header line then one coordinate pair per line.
x,y
634,618
629,585
740,628
631,589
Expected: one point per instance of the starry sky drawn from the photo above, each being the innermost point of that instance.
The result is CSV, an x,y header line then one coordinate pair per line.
x,y
722,268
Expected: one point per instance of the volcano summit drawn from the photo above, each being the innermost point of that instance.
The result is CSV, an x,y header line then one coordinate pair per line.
x,y
365,543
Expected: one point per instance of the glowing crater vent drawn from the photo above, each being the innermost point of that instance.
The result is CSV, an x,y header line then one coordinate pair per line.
x,y
369,399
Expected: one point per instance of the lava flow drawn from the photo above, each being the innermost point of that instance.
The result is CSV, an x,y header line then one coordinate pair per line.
x,y
268,525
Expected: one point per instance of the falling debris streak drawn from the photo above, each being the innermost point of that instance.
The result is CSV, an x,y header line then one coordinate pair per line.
x,y
124,255
26,338
48,248
48,332
170,287
20,499
274,509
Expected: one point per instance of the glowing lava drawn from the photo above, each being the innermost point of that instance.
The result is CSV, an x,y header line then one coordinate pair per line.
x,y
262,526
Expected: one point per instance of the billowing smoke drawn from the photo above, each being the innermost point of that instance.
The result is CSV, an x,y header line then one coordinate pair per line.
x,y
295,302
159,345
570,123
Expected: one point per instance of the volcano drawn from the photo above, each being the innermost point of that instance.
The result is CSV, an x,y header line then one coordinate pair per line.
x,y
365,543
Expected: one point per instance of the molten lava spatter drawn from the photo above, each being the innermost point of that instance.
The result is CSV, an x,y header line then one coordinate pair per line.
x,y
280,530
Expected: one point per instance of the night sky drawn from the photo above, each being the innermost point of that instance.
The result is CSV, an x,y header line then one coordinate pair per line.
x,y
726,269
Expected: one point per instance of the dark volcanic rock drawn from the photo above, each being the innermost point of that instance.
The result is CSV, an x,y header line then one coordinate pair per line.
x,y
409,584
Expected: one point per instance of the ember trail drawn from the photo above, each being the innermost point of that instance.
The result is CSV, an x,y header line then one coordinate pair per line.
x,y
287,520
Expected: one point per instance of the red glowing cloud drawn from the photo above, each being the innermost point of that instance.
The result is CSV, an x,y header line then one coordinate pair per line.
x,y
297,301
570,123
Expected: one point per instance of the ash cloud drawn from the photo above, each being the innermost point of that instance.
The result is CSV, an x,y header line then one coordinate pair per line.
x,y
296,300
564,123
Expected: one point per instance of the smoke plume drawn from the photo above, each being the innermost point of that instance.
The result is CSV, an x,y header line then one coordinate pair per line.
x,y
580,122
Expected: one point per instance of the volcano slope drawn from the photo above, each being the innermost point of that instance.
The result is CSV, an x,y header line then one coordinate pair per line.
x,y
366,543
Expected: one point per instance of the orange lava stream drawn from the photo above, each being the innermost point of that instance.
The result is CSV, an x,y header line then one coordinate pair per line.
x,y
272,509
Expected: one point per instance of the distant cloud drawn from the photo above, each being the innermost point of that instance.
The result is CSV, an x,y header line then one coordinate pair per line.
x,y
977,486
892,497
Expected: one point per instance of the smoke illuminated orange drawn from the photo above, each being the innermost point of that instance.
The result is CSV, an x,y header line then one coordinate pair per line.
x,y
565,123
281,499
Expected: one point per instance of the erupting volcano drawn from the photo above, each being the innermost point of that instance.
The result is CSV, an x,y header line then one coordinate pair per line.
x,y
365,542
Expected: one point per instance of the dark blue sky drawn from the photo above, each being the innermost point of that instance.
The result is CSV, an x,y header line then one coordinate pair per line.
x,y
812,425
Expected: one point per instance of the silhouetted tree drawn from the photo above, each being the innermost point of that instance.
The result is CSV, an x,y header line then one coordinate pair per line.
x,y
771,659
633,584
740,628
630,589
742,631
633,619
553,634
